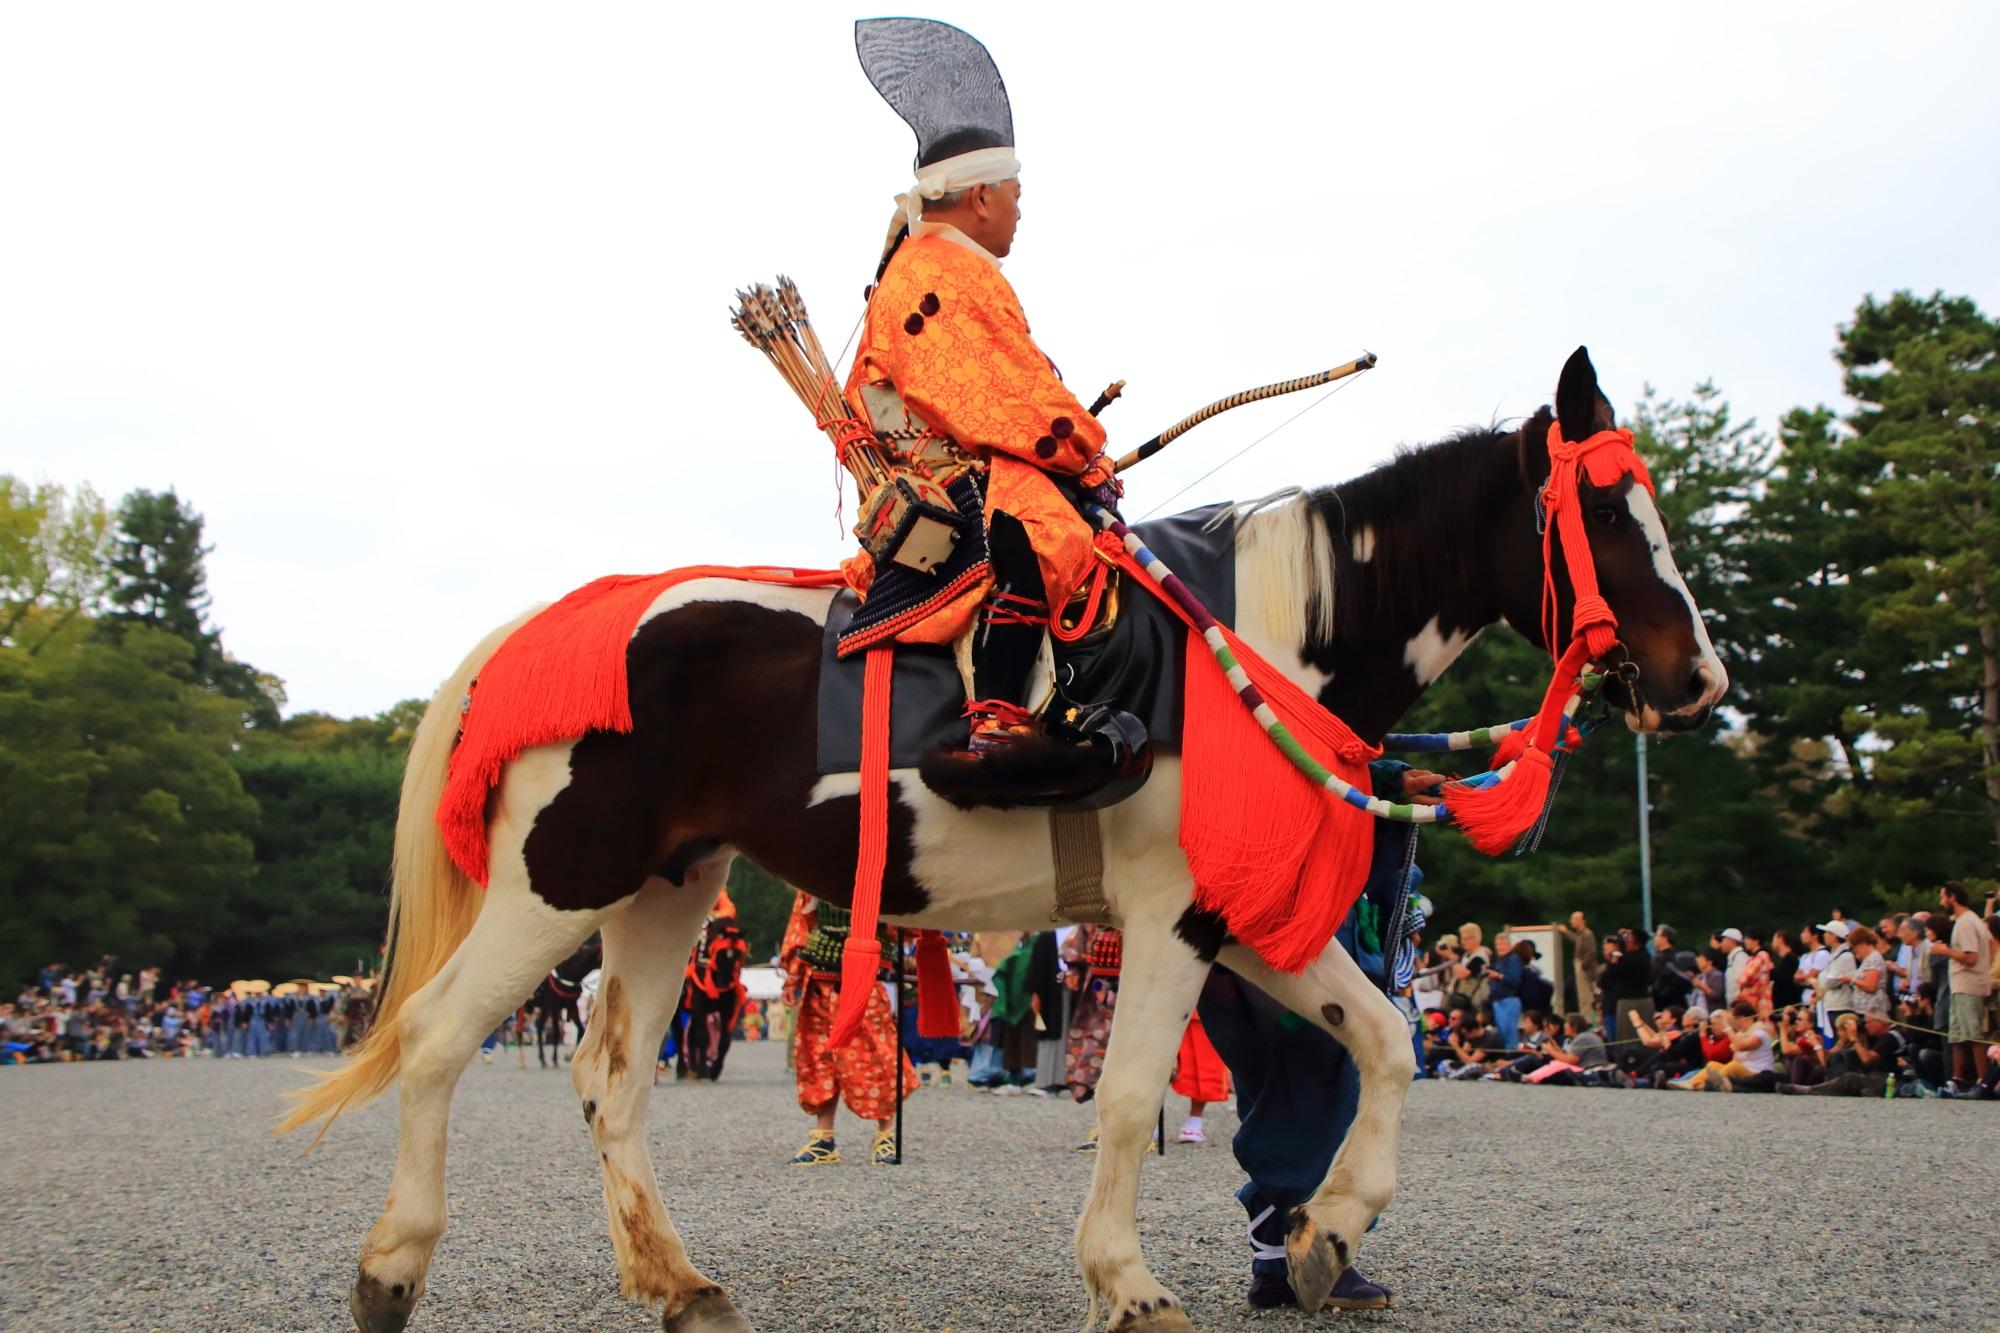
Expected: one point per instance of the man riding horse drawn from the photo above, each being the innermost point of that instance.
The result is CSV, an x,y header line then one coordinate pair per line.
x,y
950,377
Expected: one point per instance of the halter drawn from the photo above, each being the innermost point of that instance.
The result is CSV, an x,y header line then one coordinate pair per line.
x,y
1601,460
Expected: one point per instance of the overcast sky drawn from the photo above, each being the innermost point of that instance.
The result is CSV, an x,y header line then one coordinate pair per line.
x,y
424,305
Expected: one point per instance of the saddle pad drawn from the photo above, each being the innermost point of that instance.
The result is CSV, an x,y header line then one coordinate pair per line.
x,y
1138,666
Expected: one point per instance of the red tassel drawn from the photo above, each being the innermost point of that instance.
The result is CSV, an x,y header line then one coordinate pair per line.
x,y
1494,818
937,998
860,963
1511,747
863,957
1281,860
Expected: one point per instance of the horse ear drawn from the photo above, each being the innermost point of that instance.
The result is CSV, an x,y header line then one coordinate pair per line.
x,y
1577,397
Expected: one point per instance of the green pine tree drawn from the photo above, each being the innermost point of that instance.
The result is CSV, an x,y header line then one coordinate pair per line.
x,y
161,580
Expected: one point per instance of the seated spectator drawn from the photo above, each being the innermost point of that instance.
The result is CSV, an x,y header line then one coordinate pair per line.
x,y
1472,1043
1800,1047
1439,1029
1669,1050
1581,1054
1752,1064
1528,1055
1716,1044
1862,1058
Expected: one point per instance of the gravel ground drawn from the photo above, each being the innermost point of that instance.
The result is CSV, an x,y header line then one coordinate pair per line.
x,y
147,1196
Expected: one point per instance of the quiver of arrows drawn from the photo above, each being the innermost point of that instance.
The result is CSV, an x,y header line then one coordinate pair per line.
x,y
905,517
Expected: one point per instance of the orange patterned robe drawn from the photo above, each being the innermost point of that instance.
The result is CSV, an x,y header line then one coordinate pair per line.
x,y
863,1073
946,329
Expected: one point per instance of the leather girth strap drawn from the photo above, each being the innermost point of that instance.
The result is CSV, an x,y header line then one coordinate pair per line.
x,y
1078,845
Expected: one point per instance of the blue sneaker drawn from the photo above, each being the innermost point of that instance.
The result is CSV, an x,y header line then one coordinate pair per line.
x,y
1270,1290
1355,1292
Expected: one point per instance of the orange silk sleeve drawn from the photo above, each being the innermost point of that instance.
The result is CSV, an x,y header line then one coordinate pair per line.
x,y
948,331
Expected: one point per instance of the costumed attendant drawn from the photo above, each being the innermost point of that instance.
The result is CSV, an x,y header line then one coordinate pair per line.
x,y
1094,955
1296,1087
1200,1076
713,994
862,1073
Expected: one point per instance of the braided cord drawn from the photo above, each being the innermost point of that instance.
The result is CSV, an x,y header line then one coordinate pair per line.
x,y
1167,584
1479,738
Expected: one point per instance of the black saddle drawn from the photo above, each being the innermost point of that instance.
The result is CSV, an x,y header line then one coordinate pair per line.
x,y
1135,666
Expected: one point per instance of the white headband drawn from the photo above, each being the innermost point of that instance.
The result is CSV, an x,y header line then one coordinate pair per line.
x,y
981,166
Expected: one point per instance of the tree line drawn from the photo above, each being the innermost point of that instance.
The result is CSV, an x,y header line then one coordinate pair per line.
x,y
157,802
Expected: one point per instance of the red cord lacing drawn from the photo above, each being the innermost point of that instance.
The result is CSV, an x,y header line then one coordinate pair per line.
x,y
1033,611
1000,711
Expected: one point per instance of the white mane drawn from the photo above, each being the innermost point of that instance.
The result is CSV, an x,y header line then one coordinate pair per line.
x,y
1284,566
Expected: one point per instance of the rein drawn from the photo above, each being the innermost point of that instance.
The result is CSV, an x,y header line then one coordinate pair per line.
x,y
1506,806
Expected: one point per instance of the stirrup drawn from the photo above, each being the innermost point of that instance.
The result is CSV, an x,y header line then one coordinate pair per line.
x,y
820,1150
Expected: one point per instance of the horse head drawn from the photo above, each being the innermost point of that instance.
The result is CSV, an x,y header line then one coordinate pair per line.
x,y
1664,671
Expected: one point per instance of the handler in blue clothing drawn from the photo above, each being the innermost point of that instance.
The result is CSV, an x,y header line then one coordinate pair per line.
x,y
1503,993
1296,1088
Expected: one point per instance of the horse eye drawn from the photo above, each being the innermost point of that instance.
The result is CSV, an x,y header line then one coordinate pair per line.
x,y
1605,514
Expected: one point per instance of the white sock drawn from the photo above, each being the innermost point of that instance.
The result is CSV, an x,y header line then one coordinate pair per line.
x,y
1193,1122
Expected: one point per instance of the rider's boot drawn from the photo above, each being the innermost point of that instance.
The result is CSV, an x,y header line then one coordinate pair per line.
x,y
1011,759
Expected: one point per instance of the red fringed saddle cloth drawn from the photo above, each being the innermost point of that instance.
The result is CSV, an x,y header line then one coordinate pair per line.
x,y
563,674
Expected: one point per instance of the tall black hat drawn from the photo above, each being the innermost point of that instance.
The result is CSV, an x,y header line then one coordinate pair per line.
x,y
943,83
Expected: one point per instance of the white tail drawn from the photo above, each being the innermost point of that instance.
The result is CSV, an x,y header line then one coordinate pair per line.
x,y
431,908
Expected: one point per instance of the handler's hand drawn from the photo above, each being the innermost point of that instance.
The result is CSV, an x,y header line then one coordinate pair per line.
x,y
1421,786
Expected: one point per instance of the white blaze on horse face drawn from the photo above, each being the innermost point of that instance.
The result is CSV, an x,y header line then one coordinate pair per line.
x,y
1364,544
1639,501
1432,650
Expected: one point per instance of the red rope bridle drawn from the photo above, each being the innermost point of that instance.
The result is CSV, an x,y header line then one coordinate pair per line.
x,y
1601,460
1495,817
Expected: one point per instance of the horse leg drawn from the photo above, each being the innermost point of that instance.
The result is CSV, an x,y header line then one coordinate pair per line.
x,y
646,945
516,939
1158,986
1334,994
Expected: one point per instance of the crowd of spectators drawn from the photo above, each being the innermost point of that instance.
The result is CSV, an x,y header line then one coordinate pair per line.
x,y
1909,1007
100,1013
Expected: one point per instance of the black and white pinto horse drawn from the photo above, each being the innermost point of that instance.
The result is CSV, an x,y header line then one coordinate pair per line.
x,y
1363,593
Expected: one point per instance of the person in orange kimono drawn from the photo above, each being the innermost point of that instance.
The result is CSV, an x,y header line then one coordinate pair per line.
x,y
946,331
866,1072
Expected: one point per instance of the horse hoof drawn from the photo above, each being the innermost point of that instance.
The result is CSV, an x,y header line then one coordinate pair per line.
x,y
378,1307
1155,1316
1315,1261
710,1312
